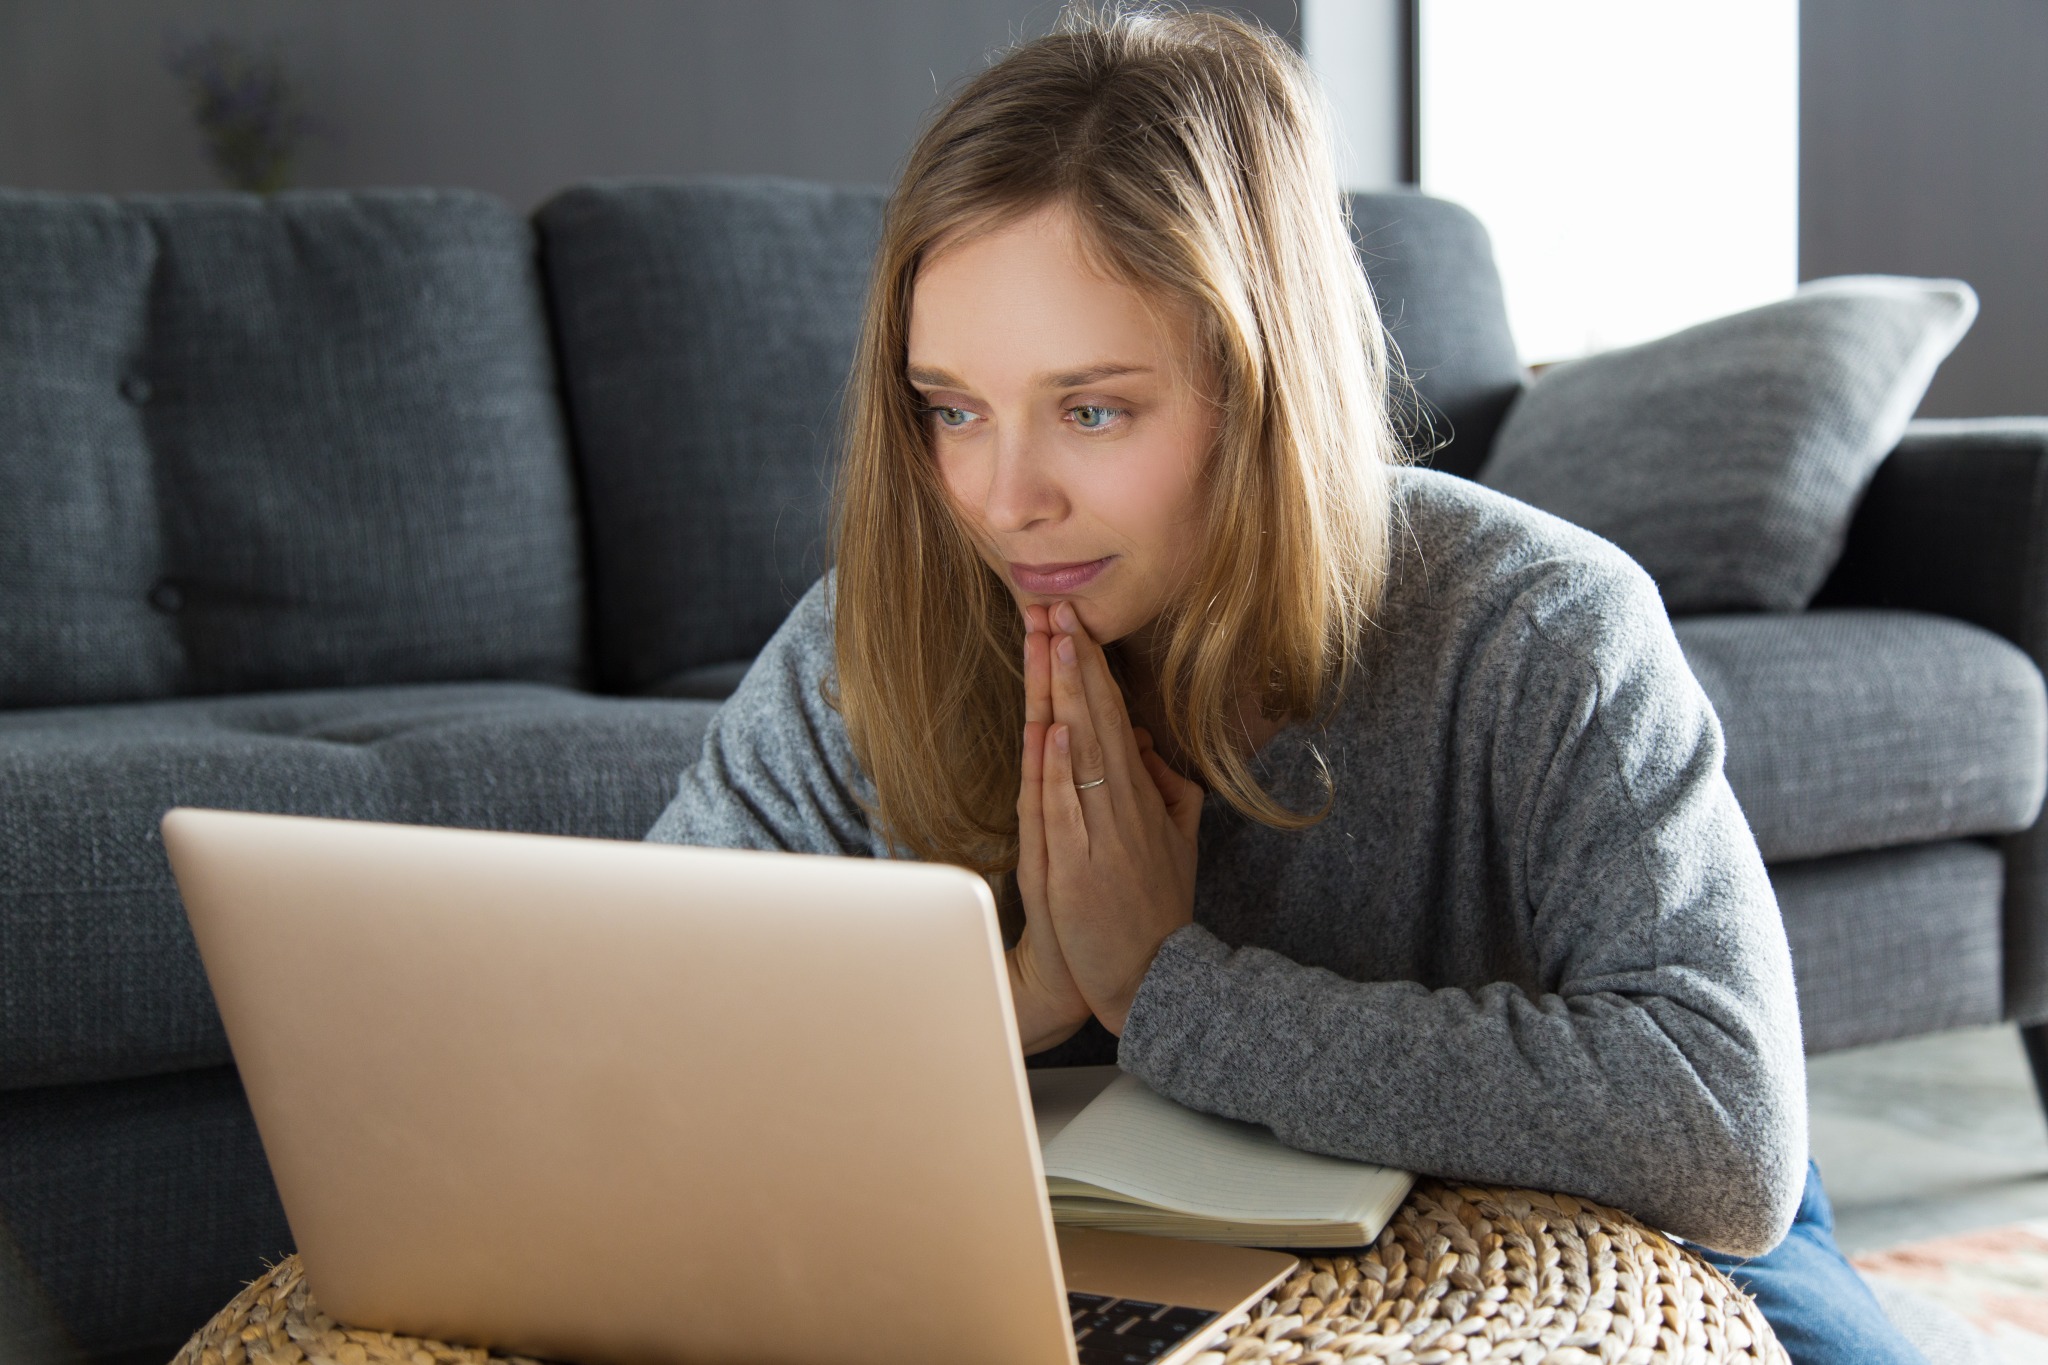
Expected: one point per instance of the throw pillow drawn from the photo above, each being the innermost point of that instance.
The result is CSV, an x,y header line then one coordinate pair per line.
x,y
1728,458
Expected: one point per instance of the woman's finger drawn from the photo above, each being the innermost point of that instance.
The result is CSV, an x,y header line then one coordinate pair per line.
x,y
1183,795
1037,716
1070,709
1106,709
1155,766
1037,678
1172,786
1066,828
1030,815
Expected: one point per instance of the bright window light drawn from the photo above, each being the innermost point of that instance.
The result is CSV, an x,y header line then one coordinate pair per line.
x,y
1636,161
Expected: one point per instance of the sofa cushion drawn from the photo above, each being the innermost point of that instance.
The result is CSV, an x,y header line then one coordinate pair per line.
x,y
1894,943
304,440
139,1206
705,328
99,978
1431,267
1852,729
1727,458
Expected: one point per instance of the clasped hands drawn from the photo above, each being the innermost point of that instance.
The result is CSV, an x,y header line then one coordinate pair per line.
x,y
1106,839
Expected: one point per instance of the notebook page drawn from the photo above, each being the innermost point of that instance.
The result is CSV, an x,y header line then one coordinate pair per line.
x,y
1137,1143
1059,1093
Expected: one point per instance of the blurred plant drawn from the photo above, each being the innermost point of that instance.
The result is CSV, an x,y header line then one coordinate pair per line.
x,y
246,108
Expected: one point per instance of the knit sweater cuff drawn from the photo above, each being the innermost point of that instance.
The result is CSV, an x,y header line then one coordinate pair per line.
x,y
1173,1026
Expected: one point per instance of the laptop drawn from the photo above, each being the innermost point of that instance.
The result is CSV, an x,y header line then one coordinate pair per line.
x,y
616,1103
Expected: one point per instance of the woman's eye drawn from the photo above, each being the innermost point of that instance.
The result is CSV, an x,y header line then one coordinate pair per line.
x,y
950,417
1093,416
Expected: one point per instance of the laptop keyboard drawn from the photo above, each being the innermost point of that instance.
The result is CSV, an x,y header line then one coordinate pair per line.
x,y
1130,1331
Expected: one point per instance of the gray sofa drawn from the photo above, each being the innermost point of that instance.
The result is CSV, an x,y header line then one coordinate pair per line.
x,y
396,506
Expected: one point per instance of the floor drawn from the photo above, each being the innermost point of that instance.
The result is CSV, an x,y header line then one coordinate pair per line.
x,y
1928,1137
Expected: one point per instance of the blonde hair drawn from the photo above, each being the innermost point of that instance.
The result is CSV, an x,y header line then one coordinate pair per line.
x,y
1193,150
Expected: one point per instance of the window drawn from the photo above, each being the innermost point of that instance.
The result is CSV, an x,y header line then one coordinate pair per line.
x,y
1635,162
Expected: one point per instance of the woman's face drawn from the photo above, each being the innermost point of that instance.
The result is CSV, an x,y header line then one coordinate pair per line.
x,y
1065,428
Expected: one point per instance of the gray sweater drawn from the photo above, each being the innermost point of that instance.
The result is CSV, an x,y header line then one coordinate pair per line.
x,y
1533,942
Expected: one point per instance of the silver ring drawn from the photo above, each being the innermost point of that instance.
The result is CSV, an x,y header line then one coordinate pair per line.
x,y
1084,786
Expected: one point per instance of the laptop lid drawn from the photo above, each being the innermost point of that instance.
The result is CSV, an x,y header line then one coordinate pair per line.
x,y
681,1103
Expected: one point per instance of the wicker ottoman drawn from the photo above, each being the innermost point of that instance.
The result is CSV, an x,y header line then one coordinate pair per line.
x,y
1463,1273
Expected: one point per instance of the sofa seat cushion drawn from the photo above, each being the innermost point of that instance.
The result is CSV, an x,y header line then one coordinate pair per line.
x,y
1867,729
99,978
1895,942
140,1207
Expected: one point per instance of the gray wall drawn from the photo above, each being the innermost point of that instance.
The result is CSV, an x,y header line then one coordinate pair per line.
x,y
1924,151
517,97
1923,146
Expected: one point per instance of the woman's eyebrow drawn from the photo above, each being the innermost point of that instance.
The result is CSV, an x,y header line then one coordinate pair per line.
x,y
1063,379
1074,379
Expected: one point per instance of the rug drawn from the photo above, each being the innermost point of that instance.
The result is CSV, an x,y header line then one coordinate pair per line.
x,y
1996,1279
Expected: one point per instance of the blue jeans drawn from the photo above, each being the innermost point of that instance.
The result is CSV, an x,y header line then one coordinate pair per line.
x,y
1813,1298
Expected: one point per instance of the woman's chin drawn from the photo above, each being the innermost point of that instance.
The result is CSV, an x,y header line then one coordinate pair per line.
x,y
1104,622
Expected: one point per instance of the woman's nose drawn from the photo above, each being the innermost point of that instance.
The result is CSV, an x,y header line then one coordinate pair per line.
x,y
1021,492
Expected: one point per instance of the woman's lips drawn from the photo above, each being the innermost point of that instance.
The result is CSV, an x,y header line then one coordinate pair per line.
x,y
1056,578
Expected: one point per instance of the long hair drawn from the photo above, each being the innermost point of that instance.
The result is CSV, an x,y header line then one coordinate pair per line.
x,y
1194,151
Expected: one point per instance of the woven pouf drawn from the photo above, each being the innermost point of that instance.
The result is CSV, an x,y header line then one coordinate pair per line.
x,y
1462,1273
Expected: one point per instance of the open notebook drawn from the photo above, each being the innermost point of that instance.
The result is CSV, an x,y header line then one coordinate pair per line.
x,y
1120,1157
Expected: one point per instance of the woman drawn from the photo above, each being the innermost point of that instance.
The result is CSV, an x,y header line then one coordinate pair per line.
x,y
1350,800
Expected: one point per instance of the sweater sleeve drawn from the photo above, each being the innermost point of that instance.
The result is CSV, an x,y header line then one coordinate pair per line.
x,y
1658,1069
777,771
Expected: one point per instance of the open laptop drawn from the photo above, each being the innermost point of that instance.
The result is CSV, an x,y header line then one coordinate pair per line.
x,y
611,1102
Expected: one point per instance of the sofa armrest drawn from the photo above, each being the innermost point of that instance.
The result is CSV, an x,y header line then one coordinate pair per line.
x,y
1956,522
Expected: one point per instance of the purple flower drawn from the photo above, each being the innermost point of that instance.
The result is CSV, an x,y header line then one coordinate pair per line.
x,y
245,107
